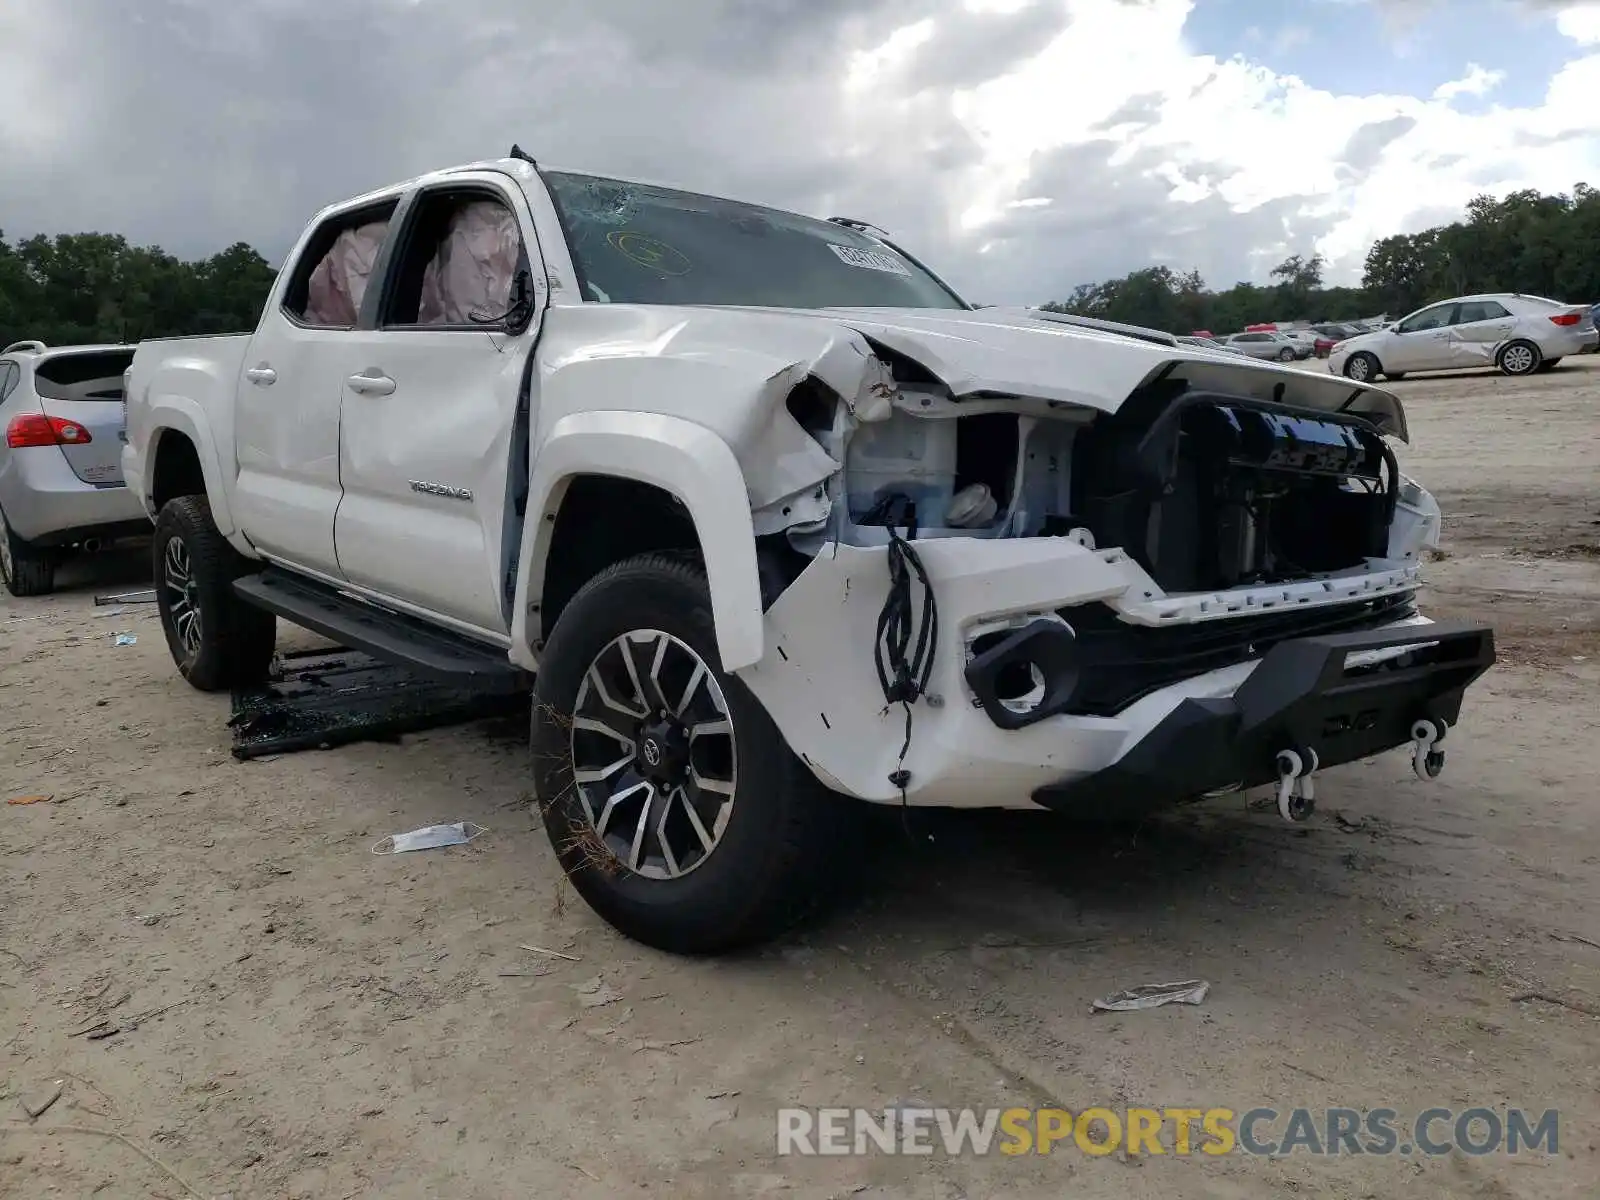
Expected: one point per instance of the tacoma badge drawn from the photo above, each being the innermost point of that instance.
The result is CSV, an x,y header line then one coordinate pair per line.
x,y
440,489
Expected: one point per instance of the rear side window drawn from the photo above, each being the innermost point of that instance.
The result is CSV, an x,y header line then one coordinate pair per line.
x,y
96,376
9,374
1480,310
329,281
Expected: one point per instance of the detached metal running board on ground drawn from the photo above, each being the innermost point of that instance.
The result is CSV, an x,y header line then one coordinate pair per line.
x,y
318,699
393,637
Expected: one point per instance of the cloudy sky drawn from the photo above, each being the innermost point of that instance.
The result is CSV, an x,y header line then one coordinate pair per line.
x,y
1023,146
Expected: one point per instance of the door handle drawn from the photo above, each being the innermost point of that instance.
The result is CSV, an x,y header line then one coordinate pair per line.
x,y
371,384
262,376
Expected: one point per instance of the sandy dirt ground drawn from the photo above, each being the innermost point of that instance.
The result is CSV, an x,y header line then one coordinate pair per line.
x,y
298,1017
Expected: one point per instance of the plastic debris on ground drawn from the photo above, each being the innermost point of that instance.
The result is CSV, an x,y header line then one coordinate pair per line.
x,y
429,837
40,1102
1153,995
126,639
28,799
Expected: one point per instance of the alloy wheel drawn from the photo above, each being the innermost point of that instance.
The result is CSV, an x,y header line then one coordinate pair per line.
x,y
1518,360
653,756
183,594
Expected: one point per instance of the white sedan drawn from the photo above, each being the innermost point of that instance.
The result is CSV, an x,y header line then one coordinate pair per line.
x,y
1516,333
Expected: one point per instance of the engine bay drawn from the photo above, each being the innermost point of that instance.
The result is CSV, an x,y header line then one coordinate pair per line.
x,y
1210,492
1206,491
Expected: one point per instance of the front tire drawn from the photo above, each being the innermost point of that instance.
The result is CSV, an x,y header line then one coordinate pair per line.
x,y
217,641
1286,355
1518,358
25,569
671,800
1362,367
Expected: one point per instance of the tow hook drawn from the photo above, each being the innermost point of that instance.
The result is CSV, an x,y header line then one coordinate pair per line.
x,y
1297,789
1426,759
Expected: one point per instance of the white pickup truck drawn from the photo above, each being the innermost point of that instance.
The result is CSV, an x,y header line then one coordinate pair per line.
x,y
769,518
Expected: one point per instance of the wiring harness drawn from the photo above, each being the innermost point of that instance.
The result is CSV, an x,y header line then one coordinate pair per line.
x,y
906,638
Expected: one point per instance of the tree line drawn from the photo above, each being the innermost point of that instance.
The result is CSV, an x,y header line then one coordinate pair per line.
x,y
78,288
96,287
1526,242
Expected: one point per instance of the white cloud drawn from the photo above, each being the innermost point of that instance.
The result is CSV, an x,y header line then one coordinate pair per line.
x,y
1581,23
1476,82
1023,145
1237,132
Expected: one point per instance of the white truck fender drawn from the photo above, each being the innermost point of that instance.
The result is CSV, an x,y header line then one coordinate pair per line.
x,y
680,457
179,414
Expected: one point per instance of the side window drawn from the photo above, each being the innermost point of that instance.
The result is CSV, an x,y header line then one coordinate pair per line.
x,y
9,374
1436,317
457,265
1250,337
1481,310
330,279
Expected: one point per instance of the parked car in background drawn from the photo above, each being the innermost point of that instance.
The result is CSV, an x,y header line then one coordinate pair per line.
x,y
61,464
1519,334
1274,345
1208,343
1306,339
1330,334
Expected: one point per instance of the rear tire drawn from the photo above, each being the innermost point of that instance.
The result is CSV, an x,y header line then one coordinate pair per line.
x,y
1286,355
27,570
739,839
217,641
1518,358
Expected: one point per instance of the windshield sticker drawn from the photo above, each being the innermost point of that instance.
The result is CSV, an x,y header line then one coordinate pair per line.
x,y
648,252
869,260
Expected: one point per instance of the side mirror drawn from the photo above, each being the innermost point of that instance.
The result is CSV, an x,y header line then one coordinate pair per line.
x,y
520,315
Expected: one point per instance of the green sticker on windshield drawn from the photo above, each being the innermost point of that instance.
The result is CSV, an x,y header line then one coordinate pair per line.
x,y
649,252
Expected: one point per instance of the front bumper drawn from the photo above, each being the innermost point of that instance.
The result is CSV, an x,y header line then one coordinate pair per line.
x,y
818,681
1301,696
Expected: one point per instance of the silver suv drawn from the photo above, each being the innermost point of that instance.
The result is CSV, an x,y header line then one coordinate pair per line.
x,y
61,462
1277,346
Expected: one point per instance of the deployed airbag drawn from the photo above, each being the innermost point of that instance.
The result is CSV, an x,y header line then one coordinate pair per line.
x,y
472,272
336,287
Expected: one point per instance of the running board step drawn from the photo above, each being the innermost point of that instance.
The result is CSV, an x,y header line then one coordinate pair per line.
x,y
390,636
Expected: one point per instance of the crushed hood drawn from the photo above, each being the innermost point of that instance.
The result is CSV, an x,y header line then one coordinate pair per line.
x,y
1021,352
700,361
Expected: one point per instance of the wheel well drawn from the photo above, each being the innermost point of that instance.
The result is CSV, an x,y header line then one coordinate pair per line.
x,y
603,520
177,470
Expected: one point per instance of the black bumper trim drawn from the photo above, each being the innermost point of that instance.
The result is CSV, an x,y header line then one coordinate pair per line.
x,y
1300,696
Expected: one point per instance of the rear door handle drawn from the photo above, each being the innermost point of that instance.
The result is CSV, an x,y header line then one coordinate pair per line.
x,y
262,376
370,383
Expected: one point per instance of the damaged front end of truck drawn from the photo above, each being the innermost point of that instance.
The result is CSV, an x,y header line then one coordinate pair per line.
x,y
1015,564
